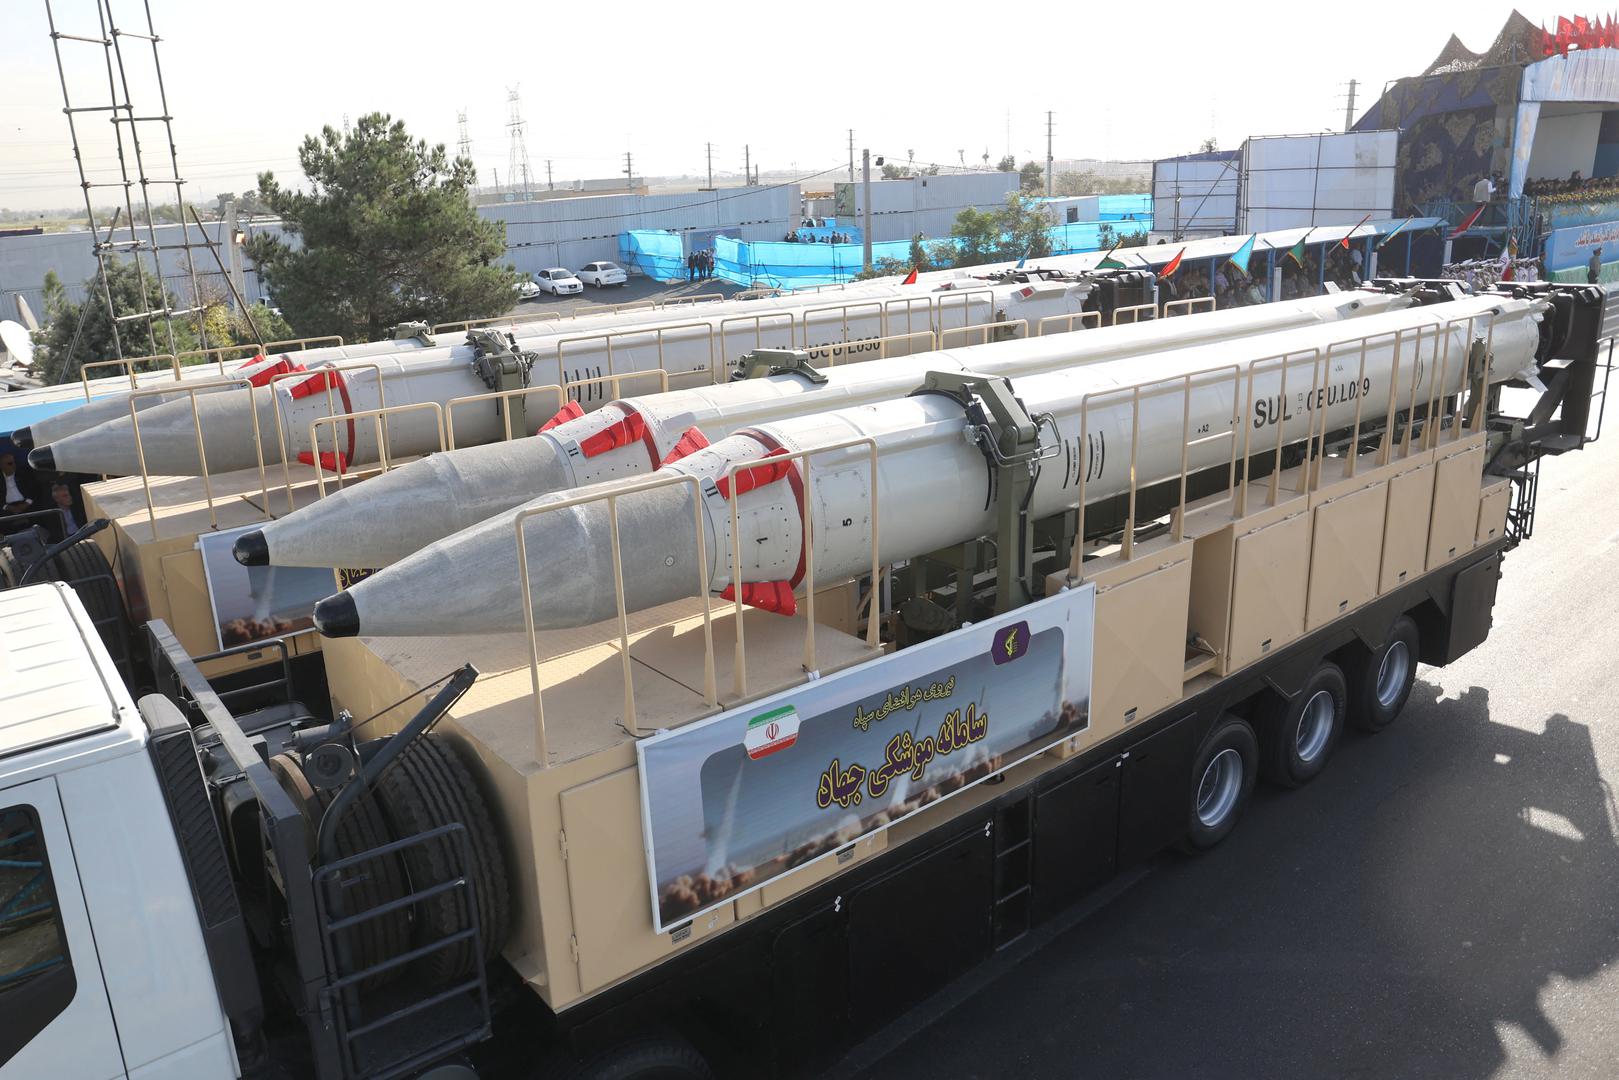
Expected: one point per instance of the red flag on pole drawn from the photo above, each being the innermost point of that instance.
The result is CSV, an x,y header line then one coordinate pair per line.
x,y
910,279
1173,264
1565,34
1468,224
1344,243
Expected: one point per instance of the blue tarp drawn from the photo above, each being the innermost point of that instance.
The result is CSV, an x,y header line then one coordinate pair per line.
x,y
1125,208
778,264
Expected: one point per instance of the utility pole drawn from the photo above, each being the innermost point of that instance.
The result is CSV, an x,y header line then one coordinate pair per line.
x,y
865,197
517,147
629,170
710,148
549,184
851,155
1048,154
1349,109
463,144
747,165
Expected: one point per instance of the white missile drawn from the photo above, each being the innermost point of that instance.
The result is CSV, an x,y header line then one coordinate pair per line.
x,y
112,400
441,494
931,483
693,348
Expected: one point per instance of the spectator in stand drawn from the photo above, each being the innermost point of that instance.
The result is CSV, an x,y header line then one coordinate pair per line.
x,y
1593,269
62,496
1484,190
19,493
691,267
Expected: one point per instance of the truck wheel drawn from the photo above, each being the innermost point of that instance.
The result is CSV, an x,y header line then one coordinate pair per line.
x,y
1222,780
1301,735
657,1058
365,885
85,569
1380,681
429,787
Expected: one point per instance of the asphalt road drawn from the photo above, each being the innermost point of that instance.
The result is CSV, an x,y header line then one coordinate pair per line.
x,y
1442,902
633,290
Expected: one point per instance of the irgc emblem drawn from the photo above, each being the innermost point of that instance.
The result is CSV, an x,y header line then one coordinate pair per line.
x,y
1011,642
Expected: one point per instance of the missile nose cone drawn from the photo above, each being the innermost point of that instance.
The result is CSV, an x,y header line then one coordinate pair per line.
x,y
251,549
42,458
336,616
23,438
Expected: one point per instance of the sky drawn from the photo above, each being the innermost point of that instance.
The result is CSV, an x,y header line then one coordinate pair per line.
x,y
937,82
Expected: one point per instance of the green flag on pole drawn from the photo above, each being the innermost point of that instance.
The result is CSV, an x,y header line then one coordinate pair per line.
x,y
1108,261
1296,252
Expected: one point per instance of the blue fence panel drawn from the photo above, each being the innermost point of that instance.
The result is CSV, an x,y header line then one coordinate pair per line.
x,y
658,254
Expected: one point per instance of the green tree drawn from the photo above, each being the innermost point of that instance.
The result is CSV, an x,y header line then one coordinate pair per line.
x,y
1208,145
1007,164
388,234
919,254
1032,176
62,359
1017,230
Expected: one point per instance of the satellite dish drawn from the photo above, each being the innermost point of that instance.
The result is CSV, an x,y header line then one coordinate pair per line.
x,y
17,341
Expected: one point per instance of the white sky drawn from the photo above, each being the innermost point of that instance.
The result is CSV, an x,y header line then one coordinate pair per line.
x,y
1126,80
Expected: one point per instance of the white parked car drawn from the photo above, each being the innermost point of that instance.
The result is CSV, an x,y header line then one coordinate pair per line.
x,y
526,290
603,273
559,281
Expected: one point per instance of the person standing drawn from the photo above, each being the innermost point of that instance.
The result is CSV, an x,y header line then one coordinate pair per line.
x,y
691,267
1593,269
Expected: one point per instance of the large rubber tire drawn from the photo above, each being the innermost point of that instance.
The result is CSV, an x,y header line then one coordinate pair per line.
x,y
659,1057
427,787
366,885
1222,779
1380,681
1298,738
85,568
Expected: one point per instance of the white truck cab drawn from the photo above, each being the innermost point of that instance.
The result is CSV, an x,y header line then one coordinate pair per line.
x,y
103,968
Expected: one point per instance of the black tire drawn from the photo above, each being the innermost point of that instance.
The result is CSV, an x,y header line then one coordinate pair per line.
x,y
85,568
1217,794
661,1057
1299,737
1380,681
427,787
364,885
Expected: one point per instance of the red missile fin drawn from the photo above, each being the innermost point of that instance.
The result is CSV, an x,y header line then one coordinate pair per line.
x,y
329,461
691,441
756,476
318,381
620,433
776,596
261,375
571,411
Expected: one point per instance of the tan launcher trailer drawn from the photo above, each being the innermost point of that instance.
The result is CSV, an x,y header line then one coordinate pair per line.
x,y
710,839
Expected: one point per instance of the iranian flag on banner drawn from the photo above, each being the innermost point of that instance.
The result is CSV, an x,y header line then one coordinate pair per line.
x,y
771,731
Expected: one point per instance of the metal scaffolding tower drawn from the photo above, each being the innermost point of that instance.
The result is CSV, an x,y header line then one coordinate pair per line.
x,y
517,156
129,124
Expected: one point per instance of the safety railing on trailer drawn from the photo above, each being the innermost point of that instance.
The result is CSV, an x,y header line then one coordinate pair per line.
x,y
191,389
830,352
381,433
944,303
1188,306
667,480
779,320
330,384
498,320
864,309
658,336
174,362
1132,396
1134,311
1092,319
989,330
563,391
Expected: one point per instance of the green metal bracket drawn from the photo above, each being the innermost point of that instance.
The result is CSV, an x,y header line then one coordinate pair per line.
x,y
1009,437
418,331
502,366
761,362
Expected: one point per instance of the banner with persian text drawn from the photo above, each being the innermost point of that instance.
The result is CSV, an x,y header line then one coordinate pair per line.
x,y
738,800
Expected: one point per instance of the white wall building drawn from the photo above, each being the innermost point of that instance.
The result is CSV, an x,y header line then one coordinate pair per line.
x,y
1289,181
922,204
